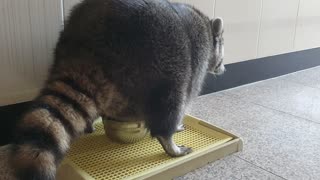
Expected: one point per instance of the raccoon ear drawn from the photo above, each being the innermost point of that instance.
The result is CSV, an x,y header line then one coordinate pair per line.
x,y
217,26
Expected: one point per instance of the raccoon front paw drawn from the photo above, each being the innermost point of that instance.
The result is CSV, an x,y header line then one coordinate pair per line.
x,y
179,151
183,150
172,149
180,128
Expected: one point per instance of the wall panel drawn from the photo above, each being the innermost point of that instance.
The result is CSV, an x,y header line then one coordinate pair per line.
x,y
242,22
277,30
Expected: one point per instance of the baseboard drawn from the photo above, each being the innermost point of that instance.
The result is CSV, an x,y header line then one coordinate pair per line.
x,y
246,72
237,74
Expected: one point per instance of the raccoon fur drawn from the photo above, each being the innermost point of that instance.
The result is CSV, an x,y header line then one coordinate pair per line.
x,y
123,60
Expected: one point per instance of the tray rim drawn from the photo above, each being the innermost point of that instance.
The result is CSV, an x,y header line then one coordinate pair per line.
x,y
192,161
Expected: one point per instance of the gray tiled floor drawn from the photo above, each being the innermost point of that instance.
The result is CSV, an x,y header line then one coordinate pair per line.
x,y
279,121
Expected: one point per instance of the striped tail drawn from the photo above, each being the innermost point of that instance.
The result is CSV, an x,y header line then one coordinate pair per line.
x,y
62,112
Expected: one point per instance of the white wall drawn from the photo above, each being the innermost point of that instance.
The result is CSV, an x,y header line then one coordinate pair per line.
x,y
206,6
67,6
308,25
253,29
277,26
241,20
28,32
259,28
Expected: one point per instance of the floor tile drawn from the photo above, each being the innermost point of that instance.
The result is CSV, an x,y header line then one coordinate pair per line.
x,y
277,142
230,168
282,95
310,77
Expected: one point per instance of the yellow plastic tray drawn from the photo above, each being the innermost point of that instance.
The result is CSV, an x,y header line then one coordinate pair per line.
x,y
94,156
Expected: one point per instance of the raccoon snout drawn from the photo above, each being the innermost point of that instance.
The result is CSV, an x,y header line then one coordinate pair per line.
x,y
220,70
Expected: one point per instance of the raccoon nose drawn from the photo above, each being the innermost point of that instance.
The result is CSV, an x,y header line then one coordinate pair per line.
x,y
220,70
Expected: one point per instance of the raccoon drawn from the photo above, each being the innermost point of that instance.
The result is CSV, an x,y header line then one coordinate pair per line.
x,y
123,60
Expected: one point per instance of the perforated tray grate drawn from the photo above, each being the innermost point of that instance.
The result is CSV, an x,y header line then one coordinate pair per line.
x,y
100,159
